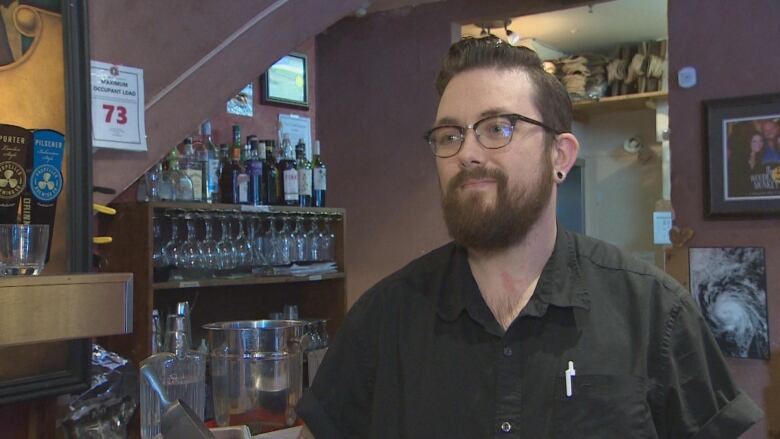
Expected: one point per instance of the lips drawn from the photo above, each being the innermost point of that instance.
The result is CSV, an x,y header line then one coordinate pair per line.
x,y
477,183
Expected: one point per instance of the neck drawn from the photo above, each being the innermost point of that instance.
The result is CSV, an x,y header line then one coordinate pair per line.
x,y
507,278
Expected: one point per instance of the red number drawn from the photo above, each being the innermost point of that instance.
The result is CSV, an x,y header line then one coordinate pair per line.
x,y
121,118
110,111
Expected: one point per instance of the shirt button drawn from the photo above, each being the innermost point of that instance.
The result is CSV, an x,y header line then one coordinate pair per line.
x,y
506,427
507,351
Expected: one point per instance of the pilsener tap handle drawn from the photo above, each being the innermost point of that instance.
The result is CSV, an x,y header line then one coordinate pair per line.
x,y
151,377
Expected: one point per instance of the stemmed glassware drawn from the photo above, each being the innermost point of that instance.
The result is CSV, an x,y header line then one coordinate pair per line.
x,y
172,250
298,236
242,245
191,250
313,240
211,257
327,241
158,257
225,247
285,242
256,240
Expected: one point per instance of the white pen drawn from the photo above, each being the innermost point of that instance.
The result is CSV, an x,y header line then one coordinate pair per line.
x,y
570,372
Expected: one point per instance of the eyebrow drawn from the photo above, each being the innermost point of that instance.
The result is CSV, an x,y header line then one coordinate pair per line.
x,y
487,113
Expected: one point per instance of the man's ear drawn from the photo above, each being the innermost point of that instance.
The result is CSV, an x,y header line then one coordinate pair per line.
x,y
564,153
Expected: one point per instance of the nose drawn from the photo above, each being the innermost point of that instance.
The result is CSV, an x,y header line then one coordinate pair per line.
x,y
471,154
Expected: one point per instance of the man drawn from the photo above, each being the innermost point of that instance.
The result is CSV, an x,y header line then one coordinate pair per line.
x,y
519,329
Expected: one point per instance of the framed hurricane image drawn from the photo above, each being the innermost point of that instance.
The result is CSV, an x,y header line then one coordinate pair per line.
x,y
729,286
287,82
743,143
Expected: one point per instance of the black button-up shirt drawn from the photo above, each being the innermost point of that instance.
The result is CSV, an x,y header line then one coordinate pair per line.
x,y
420,355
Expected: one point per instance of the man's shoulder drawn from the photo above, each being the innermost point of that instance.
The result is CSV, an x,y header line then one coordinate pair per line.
x,y
604,260
419,279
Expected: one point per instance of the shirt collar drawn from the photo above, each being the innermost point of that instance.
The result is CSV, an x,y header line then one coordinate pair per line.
x,y
559,285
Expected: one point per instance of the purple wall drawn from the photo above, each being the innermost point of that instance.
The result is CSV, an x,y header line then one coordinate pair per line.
x,y
733,46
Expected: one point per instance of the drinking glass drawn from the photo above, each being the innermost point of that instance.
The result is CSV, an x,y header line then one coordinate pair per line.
x,y
183,377
243,246
191,250
226,249
313,241
256,239
23,248
298,236
285,242
211,257
158,257
270,243
327,241
172,248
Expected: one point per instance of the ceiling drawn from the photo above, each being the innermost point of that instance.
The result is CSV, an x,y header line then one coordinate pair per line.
x,y
598,27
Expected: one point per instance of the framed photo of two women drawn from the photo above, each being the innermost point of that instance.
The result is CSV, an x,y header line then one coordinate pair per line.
x,y
743,143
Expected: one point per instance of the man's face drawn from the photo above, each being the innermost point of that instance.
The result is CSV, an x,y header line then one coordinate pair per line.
x,y
491,198
769,129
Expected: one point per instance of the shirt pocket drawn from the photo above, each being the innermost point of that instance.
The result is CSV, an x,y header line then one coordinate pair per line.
x,y
602,406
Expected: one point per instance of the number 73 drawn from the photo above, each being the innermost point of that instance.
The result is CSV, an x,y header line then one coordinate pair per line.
x,y
121,113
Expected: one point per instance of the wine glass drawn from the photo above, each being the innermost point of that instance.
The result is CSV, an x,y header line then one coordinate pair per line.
x,y
211,259
327,241
225,248
242,245
285,242
313,240
256,239
191,250
172,249
158,257
298,236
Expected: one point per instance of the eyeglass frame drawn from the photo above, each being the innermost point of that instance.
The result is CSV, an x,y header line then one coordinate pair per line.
x,y
513,118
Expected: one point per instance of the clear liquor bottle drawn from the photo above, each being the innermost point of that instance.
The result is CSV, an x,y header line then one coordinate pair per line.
x,y
319,177
288,173
212,164
255,168
195,168
304,175
180,183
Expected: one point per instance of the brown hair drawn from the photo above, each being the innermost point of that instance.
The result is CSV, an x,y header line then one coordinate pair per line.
x,y
550,98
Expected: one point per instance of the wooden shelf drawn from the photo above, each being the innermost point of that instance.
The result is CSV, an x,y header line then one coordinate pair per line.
x,y
174,205
246,280
639,101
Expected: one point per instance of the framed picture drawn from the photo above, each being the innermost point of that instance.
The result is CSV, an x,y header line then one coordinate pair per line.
x,y
743,142
286,83
729,286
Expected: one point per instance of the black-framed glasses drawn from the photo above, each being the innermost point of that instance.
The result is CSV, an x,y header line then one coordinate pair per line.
x,y
492,132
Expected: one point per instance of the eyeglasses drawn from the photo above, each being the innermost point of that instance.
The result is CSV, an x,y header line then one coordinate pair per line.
x,y
492,132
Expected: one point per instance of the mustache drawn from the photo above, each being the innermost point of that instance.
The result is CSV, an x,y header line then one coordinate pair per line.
x,y
477,173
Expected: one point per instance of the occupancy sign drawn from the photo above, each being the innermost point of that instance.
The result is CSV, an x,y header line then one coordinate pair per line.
x,y
118,107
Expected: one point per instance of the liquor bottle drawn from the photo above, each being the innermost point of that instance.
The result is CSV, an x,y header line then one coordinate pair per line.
x,y
273,184
246,149
212,164
236,137
229,181
304,175
319,177
289,174
254,168
180,183
190,165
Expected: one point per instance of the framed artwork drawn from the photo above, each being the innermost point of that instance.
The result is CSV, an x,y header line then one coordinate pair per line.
x,y
729,286
242,103
286,83
743,145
